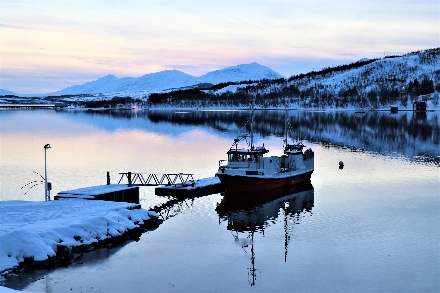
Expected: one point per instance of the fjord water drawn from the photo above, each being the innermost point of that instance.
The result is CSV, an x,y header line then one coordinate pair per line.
x,y
373,226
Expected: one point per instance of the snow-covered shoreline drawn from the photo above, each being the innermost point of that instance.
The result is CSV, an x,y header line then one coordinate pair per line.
x,y
292,107
35,230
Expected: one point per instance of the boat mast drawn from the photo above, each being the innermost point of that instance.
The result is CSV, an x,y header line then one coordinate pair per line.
x,y
252,125
285,128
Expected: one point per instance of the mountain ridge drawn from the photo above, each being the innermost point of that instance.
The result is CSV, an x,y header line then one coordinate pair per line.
x,y
365,84
377,83
4,92
170,79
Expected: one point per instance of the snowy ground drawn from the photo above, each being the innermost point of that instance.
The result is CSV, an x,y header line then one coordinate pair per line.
x,y
92,191
34,229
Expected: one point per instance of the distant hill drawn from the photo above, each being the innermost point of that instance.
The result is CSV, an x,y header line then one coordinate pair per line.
x,y
243,72
171,79
6,92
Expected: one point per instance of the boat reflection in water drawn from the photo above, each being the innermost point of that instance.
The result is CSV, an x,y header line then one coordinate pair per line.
x,y
254,211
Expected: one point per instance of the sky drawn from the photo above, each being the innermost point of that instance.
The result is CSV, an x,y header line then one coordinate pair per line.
x,y
48,45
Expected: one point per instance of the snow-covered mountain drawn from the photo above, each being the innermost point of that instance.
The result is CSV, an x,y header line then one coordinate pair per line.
x,y
369,83
243,72
6,92
171,79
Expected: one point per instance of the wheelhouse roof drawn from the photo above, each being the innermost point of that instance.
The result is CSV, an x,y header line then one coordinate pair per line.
x,y
248,152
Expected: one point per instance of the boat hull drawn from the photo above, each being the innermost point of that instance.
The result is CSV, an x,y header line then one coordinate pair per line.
x,y
245,200
240,184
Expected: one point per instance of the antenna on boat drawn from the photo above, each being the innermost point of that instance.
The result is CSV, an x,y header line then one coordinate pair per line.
x,y
245,136
285,128
296,140
252,124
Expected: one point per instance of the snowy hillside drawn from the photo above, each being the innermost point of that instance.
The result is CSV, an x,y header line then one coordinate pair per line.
x,y
369,83
106,83
170,79
253,71
6,92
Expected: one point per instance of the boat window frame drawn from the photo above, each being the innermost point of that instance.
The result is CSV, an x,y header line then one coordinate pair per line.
x,y
245,155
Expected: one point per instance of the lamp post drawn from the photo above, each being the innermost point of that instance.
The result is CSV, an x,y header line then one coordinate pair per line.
x,y
46,185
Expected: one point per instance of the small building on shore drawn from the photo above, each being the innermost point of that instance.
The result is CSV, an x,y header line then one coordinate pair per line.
x,y
419,106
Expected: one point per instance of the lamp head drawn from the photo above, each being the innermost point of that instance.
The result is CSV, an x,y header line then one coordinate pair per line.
x,y
47,146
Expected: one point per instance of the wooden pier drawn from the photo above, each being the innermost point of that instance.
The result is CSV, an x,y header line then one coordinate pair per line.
x,y
110,192
193,188
175,184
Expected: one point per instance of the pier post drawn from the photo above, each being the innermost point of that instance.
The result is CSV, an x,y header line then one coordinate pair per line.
x,y
46,184
129,178
108,178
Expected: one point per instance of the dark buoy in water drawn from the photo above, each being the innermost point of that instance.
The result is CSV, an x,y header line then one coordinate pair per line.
x,y
341,165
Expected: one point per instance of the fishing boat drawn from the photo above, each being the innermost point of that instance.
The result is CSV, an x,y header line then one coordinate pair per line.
x,y
249,170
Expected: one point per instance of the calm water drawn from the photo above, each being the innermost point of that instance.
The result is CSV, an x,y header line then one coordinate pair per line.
x,y
372,227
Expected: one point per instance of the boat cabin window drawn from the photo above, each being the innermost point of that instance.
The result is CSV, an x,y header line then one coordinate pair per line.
x,y
242,158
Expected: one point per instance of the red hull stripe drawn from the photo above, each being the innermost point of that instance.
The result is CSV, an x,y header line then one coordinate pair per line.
x,y
248,183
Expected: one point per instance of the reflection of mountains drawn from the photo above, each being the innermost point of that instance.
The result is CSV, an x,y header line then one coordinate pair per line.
x,y
246,219
381,132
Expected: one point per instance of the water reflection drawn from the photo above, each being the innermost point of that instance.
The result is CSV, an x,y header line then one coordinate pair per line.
x,y
173,207
376,225
407,133
253,213
97,257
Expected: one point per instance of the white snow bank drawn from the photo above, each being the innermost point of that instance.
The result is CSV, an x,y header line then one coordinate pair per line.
x,y
232,88
33,229
7,290
92,191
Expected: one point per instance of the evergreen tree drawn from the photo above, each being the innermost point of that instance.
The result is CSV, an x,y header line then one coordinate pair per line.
x,y
427,86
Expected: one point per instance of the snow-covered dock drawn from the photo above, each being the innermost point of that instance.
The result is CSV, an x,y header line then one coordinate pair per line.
x,y
34,234
111,192
197,187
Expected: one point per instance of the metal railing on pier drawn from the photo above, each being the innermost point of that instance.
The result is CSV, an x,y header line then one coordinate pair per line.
x,y
150,179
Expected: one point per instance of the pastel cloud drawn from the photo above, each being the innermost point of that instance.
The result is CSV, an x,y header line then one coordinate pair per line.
x,y
132,38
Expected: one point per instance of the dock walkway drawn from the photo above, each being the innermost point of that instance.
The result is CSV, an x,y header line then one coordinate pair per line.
x,y
175,184
198,187
110,192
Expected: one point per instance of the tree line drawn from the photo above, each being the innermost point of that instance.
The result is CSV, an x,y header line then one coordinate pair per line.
x,y
317,96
